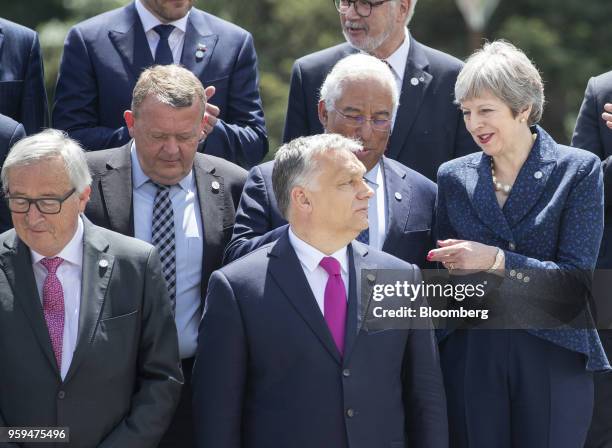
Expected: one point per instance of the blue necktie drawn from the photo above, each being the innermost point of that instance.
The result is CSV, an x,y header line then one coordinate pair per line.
x,y
163,54
162,237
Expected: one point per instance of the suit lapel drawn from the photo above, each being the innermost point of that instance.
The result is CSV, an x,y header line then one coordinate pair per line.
x,y
198,36
399,198
129,39
414,87
116,185
97,268
287,271
1,40
17,265
479,186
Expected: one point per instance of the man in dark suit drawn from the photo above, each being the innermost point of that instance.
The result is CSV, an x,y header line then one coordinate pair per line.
x,y
283,359
104,56
593,134
159,189
428,128
10,133
22,82
358,100
81,347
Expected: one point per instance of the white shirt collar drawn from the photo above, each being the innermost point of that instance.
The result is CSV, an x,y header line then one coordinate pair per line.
x,y
149,21
372,175
397,59
72,252
139,178
310,257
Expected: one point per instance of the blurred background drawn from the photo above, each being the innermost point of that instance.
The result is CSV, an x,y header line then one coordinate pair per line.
x,y
569,40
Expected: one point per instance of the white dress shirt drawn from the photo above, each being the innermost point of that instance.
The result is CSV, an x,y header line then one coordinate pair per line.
x,y
397,62
189,247
69,273
176,39
310,258
377,218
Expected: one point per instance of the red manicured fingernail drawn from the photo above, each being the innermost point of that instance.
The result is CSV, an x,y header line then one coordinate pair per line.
x,y
429,256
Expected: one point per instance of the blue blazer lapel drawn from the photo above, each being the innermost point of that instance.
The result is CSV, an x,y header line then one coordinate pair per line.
x,y
479,186
532,178
198,35
399,198
286,270
129,39
411,97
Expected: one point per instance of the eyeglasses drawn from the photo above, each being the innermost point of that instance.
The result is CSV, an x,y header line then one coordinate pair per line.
x,y
47,206
363,8
356,121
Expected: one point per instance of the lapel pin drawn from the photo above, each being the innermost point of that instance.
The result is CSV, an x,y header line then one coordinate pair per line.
x,y
103,264
215,187
200,50
414,81
398,196
538,174
422,79
371,278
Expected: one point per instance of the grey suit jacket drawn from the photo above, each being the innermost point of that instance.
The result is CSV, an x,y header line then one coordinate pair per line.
x,y
124,380
111,203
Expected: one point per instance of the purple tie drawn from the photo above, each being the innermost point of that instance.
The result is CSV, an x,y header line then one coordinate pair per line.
x,y
335,301
53,306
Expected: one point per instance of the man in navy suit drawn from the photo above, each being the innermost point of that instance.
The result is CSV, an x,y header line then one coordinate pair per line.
x,y
22,82
283,358
104,56
428,128
358,100
593,134
10,133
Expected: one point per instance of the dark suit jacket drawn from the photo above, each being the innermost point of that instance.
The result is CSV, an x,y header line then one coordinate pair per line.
x,y
410,211
111,205
429,128
268,374
22,82
10,133
124,380
104,56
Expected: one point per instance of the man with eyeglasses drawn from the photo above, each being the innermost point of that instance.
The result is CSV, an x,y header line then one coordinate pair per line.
x,y
84,351
358,100
428,128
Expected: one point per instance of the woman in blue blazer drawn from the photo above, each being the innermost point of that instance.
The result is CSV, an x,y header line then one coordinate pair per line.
x,y
523,204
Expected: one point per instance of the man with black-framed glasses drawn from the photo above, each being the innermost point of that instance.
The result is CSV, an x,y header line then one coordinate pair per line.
x,y
83,350
428,128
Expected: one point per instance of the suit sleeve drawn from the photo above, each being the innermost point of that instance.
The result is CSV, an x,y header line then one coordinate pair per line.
x,y
219,375
159,379
6,222
443,229
34,106
241,136
424,396
76,99
586,132
253,227
296,119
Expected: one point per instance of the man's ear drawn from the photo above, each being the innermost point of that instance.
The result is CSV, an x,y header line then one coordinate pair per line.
x,y
128,116
322,114
300,199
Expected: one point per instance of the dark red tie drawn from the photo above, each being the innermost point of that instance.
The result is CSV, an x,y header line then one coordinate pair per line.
x,y
334,307
53,306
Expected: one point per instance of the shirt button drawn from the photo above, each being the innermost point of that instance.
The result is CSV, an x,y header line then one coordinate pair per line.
x,y
511,245
346,372
61,394
519,275
526,279
512,273
350,413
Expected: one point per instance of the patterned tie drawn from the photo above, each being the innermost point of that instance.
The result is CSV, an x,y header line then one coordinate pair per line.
x,y
163,54
53,306
335,301
162,237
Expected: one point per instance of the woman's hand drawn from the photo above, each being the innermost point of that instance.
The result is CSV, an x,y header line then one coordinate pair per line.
x,y
464,255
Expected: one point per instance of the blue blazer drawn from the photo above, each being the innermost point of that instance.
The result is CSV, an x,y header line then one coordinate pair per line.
x,y
22,83
10,133
410,212
268,374
429,128
104,56
553,219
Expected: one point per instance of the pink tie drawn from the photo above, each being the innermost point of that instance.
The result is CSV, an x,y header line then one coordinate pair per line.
x,y
53,306
335,301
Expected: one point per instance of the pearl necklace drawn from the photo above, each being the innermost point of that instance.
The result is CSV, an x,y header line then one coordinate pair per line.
x,y
504,188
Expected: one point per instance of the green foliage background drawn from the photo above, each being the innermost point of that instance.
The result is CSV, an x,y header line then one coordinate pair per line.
x,y
567,39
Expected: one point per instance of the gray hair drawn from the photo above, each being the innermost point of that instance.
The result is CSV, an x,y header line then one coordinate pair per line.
x,y
410,12
295,163
357,67
169,84
505,71
49,144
